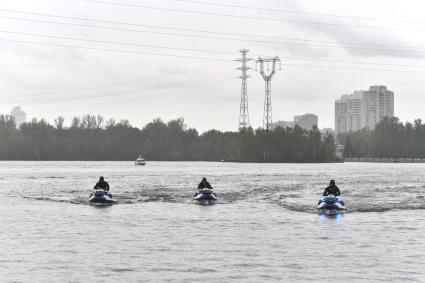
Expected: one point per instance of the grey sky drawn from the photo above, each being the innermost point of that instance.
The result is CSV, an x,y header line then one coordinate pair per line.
x,y
132,83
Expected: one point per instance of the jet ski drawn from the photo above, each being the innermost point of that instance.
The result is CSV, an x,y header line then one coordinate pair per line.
x,y
331,202
205,196
101,197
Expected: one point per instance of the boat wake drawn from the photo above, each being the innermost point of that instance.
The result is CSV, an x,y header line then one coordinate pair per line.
x,y
294,197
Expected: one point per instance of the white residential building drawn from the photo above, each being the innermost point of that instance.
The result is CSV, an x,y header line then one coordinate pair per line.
x,y
348,112
377,103
19,116
341,114
363,109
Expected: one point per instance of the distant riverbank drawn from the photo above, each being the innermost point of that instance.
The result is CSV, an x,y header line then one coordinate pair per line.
x,y
90,138
385,160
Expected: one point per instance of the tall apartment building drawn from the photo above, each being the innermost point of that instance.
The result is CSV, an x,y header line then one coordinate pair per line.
x,y
341,114
19,116
307,121
363,109
348,112
377,103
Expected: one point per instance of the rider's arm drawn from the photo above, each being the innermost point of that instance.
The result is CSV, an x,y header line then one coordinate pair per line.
x,y
338,192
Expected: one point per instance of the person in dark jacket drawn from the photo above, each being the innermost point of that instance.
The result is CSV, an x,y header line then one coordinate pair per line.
x,y
332,189
102,184
204,184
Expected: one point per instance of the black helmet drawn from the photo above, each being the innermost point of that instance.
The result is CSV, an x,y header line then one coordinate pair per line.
x,y
101,178
332,183
204,179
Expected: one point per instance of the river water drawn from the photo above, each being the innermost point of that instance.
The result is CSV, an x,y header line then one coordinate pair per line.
x,y
264,228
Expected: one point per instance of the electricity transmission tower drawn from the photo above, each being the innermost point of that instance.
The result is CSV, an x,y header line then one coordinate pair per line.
x,y
244,115
267,117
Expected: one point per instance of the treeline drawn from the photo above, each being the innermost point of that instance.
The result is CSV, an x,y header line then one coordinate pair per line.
x,y
92,138
389,139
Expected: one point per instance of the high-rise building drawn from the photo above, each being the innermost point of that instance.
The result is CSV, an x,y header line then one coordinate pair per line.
x,y
307,121
377,103
348,112
341,114
363,109
19,116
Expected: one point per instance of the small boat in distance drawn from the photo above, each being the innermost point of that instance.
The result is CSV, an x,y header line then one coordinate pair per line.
x,y
140,161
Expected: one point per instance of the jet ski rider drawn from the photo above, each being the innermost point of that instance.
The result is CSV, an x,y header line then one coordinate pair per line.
x,y
204,184
332,189
102,184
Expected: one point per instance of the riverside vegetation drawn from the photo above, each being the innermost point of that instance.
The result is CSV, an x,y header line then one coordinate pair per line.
x,y
92,138
390,139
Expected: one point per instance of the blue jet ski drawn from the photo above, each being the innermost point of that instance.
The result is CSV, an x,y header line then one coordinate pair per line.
x,y
101,197
331,202
205,196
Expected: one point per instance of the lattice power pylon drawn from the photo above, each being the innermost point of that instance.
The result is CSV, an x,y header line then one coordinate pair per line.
x,y
267,117
244,115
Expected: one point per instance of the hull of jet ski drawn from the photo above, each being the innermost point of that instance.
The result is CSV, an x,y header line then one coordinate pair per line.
x,y
334,206
101,198
202,197
331,203
205,196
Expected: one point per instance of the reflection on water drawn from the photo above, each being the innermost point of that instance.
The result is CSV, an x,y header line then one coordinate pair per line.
x,y
337,217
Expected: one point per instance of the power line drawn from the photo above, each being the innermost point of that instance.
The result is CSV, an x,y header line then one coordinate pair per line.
x,y
147,92
105,103
295,88
201,58
113,50
355,68
352,62
78,97
250,17
205,51
298,12
378,47
318,87
74,96
288,79
312,81
117,42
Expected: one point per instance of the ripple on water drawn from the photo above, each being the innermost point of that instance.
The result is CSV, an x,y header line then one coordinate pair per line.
x,y
269,229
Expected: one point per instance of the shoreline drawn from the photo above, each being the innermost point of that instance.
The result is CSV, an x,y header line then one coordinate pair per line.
x,y
385,160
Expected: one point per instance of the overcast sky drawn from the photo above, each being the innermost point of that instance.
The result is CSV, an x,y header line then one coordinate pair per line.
x,y
139,60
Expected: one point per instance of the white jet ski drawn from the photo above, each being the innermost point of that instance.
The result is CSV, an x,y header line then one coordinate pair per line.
x,y
205,196
101,197
331,202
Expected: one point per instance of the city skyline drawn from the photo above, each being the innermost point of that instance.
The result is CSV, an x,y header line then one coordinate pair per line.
x,y
147,63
